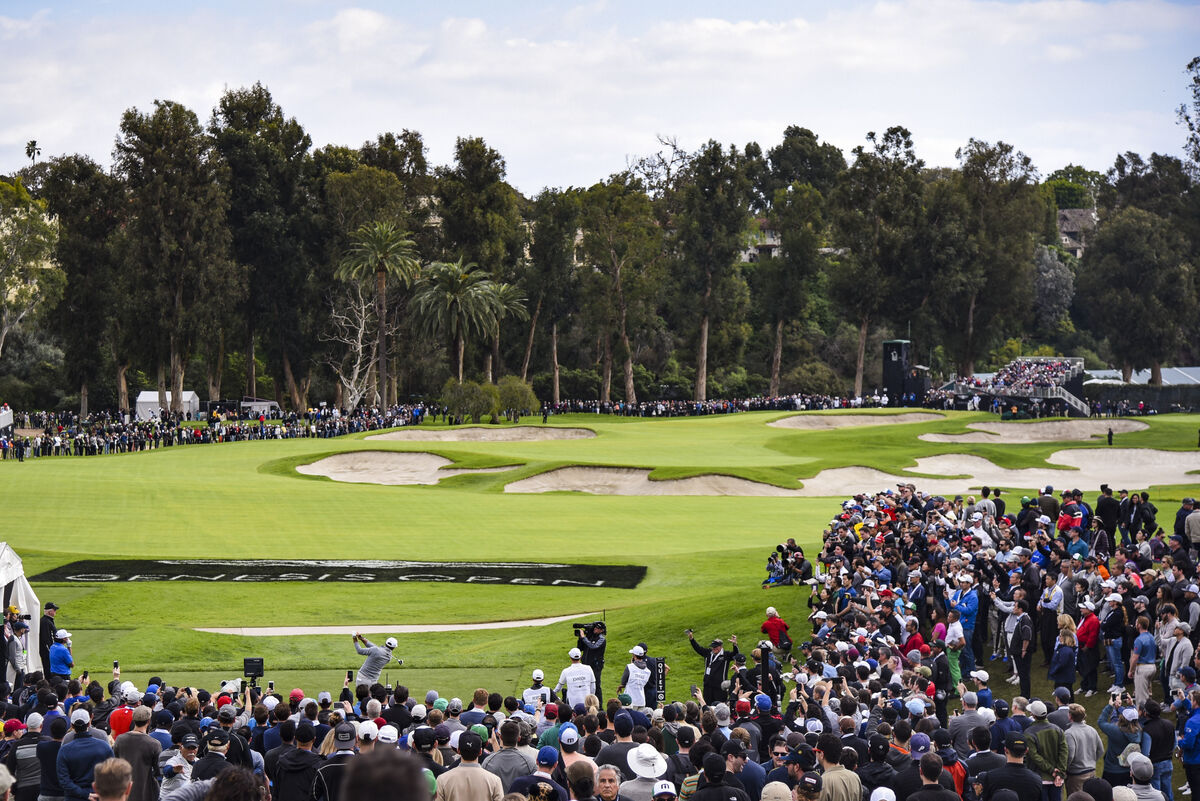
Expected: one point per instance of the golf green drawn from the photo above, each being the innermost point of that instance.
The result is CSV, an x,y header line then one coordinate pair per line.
x,y
704,556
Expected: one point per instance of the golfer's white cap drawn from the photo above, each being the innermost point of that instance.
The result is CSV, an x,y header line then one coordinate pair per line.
x,y
390,642
538,675
574,653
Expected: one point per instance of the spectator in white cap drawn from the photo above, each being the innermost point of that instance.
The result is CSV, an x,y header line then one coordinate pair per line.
x,y
77,760
61,660
537,691
664,790
368,735
1178,655
577,678
377,658
635,678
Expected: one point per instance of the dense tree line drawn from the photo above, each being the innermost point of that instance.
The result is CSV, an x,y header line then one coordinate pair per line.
x,y
234,258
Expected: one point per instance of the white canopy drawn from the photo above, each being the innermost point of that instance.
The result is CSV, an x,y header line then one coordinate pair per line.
x,y
18,593
148,407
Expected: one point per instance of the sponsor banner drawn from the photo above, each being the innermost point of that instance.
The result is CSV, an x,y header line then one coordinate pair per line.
x,y
101,571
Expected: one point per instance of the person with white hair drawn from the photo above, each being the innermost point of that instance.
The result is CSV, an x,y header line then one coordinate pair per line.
x,y
776,628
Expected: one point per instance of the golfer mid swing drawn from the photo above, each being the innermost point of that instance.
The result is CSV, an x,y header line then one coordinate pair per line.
x,y
377,658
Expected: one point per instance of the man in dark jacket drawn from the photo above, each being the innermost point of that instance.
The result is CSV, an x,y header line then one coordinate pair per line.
x,y
23,763
328,784
712,785
297,769
940,667
716,666
77,760
876,772
213,763
46,629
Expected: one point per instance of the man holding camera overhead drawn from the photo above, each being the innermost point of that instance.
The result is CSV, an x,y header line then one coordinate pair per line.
x,y
716,665
591,643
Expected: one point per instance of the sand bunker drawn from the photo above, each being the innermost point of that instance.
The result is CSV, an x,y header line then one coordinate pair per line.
x,y
821,422
634,481
485,434
1129,467
420,628
1049,431
385,467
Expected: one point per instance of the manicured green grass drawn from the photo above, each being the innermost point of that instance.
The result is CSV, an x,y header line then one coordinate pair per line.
x,y
705,555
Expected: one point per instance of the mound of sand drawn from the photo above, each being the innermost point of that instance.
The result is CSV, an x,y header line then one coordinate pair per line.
x,y
387,467
1119,467
633,481
486,434
814,421
1048,431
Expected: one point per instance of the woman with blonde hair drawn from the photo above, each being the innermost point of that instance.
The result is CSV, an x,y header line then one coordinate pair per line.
x,y
1062,663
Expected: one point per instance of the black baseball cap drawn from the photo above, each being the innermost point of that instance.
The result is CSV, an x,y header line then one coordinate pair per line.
x,y
51,605
1016,743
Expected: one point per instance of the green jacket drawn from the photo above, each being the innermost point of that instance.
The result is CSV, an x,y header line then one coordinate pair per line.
x,y
1047,749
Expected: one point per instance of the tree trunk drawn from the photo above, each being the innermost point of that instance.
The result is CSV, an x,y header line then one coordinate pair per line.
x,y
251,367
702,361
702,355
554,360
339,395
381,320
122,389
861,356
460,346
630,392
162,386
177,368
969,355
606,370
293,390
487,368
529,343
83,399
215,371
1126,372
393,391
494,367
1156,374
776,359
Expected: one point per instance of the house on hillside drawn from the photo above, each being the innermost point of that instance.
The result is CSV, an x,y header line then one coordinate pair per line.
x,y
762,243
1074,227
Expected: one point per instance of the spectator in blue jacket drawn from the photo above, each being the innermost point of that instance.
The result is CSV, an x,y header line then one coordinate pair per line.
x,y
1189,743
77,760
965,601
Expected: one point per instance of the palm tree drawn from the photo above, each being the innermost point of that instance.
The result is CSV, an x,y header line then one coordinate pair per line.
x,y
508,301
455,301
32,151
383,250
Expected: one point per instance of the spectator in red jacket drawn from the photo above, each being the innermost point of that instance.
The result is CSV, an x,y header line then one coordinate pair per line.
x,y
776,629
1088,655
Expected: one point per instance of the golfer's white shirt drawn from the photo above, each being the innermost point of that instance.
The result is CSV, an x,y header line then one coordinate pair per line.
x,y
579,681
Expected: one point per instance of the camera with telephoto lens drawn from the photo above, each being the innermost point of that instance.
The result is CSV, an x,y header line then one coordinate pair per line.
x,y
589,629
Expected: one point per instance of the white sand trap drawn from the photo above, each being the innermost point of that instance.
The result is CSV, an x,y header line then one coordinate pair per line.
x,y
486,434
1129,467
1048,431
814,421
424,628
634,481
386,467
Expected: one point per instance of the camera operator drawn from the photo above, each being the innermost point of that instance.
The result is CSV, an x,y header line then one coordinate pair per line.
x,y
590,641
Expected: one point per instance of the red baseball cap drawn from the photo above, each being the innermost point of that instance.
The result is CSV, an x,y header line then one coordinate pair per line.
x,y
296,694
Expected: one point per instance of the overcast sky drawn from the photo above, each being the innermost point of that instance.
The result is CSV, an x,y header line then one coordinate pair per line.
x,y
569,92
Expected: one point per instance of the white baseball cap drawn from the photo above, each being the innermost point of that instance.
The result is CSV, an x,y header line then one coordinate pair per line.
x,y
62,634
982,675
390,642
637,650
368,730
664,788
1113,597
389,734
81,716
538,675
575,653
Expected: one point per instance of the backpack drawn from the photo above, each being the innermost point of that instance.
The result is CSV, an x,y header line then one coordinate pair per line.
x,y
785,642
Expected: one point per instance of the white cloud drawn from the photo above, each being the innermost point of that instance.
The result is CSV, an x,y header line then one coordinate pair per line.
x,y
568,96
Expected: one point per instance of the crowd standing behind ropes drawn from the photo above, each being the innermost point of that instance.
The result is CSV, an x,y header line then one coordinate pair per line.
x,y
922,608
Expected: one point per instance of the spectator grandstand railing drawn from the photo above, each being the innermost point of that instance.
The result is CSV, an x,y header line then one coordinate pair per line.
x,y
1031,377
